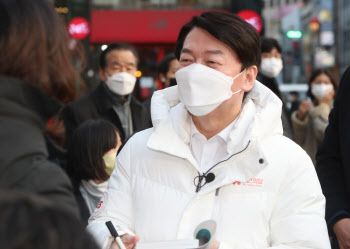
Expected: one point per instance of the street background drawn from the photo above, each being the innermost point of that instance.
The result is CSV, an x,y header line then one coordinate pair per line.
x,y
313,33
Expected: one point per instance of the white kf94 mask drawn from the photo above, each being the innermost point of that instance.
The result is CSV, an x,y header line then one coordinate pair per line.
x,y
271,67
321,90
121,83
202,89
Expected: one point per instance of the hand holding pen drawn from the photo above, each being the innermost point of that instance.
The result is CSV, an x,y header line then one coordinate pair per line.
x,y
125,241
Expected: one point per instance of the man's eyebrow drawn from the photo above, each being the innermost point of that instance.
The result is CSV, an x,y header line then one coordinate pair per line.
x,y
186,50
219,52
115,62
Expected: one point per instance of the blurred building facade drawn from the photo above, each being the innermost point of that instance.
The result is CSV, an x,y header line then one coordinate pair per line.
x,y
306,31
152,26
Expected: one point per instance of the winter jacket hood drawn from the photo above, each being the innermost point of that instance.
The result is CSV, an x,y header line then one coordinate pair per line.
x,y
259,119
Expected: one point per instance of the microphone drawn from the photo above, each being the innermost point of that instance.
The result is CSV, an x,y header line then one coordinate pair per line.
x,y
210,177
207,177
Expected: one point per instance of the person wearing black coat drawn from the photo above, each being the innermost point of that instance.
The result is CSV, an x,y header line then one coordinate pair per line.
x,y
36,76
271,66
112,99
99,105
24,164
333,166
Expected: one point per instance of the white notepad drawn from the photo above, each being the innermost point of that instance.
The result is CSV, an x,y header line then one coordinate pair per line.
x,y
169,244
207,229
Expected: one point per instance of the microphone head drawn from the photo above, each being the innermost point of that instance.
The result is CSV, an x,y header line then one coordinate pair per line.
x,y
210,177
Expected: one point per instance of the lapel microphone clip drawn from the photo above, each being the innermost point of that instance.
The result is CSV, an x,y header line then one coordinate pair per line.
x,y
198,180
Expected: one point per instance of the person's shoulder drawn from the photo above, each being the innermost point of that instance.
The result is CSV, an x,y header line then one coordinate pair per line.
x,y
141,137
137,143
135,148
50,180
136,103
84,102
347,72
345,79
46,169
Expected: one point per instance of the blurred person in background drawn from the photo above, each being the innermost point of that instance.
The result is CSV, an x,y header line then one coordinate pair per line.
x,y
294,101
55,128
36,76
31,222
333,166
90,162
166,70
270,67
311,118
112,99
166,74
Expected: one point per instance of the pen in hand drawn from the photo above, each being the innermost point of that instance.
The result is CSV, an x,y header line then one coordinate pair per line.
x,y
115,234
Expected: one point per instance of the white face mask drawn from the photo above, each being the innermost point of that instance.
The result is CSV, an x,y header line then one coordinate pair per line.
x,y
271,67
321,90
202,89
121,83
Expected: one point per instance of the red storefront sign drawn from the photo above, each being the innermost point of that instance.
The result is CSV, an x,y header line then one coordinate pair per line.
x,y
151,26
79,28
253,18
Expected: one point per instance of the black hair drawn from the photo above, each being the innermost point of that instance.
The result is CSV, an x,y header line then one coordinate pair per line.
x,y
230,29
31,222
117,46
314,75
267,44
164,64
90,141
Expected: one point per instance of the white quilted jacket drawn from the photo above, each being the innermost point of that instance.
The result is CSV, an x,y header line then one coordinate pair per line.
x,y
269,194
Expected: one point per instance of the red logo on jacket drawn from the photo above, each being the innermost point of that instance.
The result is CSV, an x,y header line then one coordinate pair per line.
x,y
101,205
254,182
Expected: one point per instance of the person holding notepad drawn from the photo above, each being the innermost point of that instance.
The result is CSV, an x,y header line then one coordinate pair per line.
x,y
216,152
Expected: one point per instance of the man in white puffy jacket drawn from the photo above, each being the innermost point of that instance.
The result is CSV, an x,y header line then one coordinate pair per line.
x,y
216,151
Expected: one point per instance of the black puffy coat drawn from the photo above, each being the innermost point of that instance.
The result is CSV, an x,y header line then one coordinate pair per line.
x,y
333,157
24,164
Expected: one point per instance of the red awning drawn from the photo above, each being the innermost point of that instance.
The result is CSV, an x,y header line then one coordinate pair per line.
x,y
151,26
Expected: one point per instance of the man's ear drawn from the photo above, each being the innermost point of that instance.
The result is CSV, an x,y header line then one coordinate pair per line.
x,y
102,74
249,78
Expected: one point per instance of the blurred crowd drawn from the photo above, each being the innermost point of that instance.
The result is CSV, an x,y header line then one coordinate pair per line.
x,y
59,140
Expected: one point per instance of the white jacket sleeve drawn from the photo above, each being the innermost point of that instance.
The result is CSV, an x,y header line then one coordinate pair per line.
x,y
116,204
297,220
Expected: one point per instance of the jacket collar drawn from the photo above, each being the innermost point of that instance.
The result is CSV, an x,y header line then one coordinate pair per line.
x,y
260,118
103,98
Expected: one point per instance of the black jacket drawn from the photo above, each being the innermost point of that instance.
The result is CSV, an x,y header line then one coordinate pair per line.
x,y
333,157
271,83
24,164
98,104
